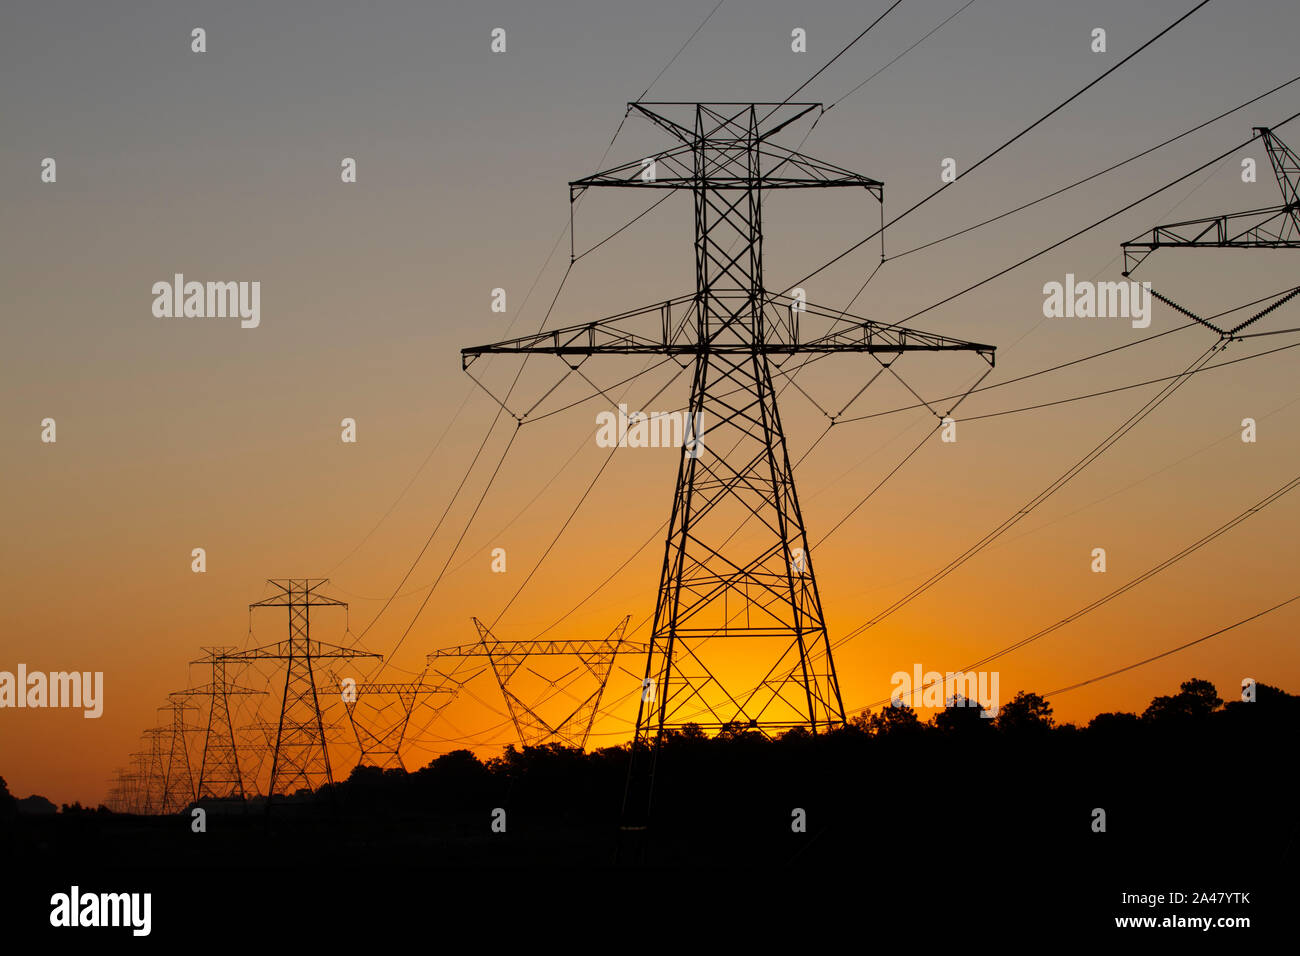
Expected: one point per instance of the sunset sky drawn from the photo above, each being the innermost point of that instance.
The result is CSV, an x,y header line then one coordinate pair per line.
x,y
175,434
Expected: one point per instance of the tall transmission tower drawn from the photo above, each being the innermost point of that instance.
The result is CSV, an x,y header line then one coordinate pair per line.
x,y
731,608
506,657
152,766
301,755
219,771
380,733
178,776
1272,227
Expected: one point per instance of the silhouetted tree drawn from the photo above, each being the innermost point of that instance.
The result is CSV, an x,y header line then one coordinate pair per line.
x,y
1025,713
462,760
893,720
1195,698
36,804
1114,723
962,716
1267,697
693,732
8,805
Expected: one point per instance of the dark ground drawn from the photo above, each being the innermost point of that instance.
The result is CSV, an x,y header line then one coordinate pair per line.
x,y
978,832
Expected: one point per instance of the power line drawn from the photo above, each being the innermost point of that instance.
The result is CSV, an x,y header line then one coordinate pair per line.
x,y
1125,388
1088,228
927,36
496,418
825,66
1056,109
573,513
1151,572
679,52
1172,650
1099,173
1108,442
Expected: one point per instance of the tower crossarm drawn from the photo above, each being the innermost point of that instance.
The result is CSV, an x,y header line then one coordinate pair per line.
x,y
410,687
531,648
287,649
209,689
745,157
668,328
1272,227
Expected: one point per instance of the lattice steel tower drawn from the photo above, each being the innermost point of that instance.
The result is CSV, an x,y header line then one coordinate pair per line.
x,y
301,756
738,605
178,775
506,657
219,772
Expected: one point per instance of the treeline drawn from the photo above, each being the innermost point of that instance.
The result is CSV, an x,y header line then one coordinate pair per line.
x,y
799,768
1186,783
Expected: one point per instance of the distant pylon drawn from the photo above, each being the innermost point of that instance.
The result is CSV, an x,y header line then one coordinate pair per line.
x,y
257,741
219,771
381,733
506,657
136,780
301,756
178,777
118,791
154,770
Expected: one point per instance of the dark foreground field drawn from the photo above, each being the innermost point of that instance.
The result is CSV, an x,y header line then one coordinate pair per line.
x,y
909,827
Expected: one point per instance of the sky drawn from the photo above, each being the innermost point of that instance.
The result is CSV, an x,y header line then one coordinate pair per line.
x,y
175,434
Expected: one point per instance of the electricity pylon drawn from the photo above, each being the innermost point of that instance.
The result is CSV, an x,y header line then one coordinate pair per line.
x,y
137,781
178,777
1273,227
506,657
153,770
379,737
301,755
716,587
219,772
119,792
258,740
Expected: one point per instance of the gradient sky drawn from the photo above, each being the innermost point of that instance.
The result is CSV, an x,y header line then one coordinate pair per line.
x,y
176,434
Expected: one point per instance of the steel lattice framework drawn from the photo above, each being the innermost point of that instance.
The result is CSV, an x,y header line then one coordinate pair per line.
x,y
137,784
258,740
152,768
178,775
301,755
752,599
1273,227
506,657
219,772
380,739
